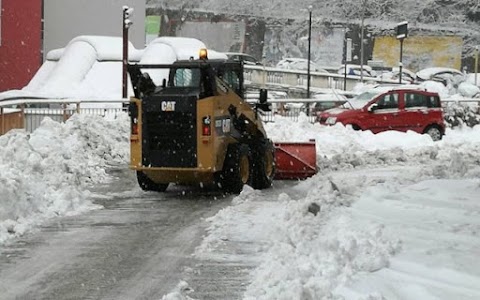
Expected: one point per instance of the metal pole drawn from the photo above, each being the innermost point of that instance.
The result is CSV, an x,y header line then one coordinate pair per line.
x,y
125,55
309,49
362,30
345,62
309,56
476,63
400,64
3,120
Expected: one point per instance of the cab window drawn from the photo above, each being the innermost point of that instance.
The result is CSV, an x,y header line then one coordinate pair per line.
x,y
186,77
232,79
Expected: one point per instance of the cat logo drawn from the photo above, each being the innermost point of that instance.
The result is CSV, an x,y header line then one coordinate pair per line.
x,y
168,105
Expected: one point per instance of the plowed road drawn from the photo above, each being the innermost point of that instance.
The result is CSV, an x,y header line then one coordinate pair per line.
x,y
135,248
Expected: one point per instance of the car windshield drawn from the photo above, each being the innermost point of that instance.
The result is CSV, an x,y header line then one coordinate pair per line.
x,y
362,99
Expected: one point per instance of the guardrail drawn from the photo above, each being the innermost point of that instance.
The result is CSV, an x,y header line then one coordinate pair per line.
x,y
29,113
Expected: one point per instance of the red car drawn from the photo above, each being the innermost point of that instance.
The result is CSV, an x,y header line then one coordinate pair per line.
x,y
390,108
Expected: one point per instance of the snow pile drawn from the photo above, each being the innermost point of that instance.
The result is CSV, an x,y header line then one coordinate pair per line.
x,y
368,219
44,174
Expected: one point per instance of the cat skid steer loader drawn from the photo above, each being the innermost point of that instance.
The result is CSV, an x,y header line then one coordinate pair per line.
x,y
195,128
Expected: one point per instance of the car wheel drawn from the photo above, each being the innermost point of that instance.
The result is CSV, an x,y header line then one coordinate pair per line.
x,y
434,132
356,127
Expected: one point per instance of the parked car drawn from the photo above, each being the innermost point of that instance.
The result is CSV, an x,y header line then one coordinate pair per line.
x,y
356,70
246,58
328,101
399,109
299,64
447,76
394,74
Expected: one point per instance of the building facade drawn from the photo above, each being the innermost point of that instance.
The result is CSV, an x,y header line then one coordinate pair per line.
x,y
31,28
20,42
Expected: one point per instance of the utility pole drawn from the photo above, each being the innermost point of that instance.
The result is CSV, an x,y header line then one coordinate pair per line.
x,y
476,63
362,33
309,56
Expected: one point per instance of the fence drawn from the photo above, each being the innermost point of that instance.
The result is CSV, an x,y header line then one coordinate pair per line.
x,y
28,114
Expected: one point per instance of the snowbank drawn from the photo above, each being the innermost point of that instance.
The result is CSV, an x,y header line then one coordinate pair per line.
x,y
44,174
367,220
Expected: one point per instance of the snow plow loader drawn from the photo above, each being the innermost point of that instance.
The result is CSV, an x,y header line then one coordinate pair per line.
x,y
195,128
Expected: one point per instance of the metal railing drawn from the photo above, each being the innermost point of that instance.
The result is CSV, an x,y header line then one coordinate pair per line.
x,y
29,113
273,78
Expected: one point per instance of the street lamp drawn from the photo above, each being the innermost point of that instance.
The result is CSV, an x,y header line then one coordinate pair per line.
x,y
309,48
347,56
309,55
476,62
126,23
362,30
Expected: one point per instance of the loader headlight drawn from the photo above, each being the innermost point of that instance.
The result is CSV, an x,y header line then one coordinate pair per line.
x,y
331,120
203,54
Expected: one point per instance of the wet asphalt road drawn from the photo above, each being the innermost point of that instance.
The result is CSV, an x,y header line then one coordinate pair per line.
x,y
135,248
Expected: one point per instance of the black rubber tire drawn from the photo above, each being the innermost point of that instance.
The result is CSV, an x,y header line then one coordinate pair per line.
x,y
263,164
237,169
148,185
434,132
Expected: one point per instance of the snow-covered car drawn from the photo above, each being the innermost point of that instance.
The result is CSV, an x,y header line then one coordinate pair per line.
x,y
328,101
407,75
299,64
357,70
447,76
246,58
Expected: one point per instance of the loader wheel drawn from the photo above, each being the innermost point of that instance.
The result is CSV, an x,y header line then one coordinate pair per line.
x,y
148,185
263,165
236,169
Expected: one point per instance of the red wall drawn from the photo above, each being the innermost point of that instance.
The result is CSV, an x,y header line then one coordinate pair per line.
x,y
21,42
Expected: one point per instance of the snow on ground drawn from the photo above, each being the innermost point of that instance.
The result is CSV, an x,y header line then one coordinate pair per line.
x,y
44,174
397,218
389,216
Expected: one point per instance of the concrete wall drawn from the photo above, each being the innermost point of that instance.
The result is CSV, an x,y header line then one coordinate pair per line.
x,y
66,19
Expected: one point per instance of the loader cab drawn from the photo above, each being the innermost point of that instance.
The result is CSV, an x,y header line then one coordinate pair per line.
x,y
192,79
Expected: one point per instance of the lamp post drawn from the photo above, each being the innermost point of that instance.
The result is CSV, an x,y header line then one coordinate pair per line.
x,y
126,23
309,55
309,48
476,62
362,32
347,56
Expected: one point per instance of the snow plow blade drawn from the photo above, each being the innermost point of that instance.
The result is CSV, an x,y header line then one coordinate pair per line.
x,y
295,160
